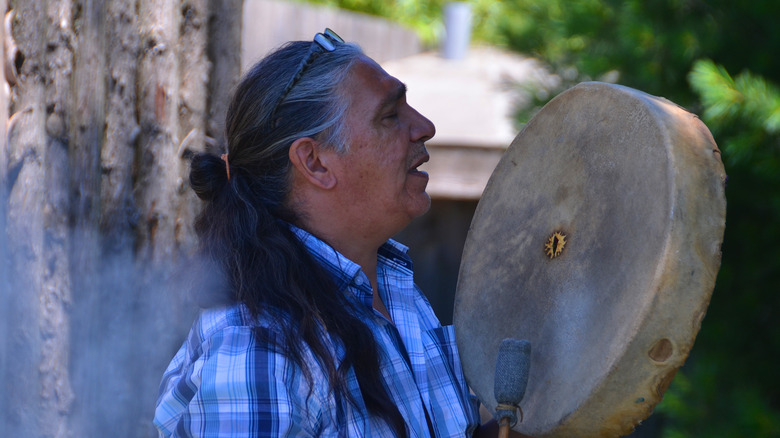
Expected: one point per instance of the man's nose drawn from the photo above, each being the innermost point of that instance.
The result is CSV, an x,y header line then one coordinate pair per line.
x,y
422,129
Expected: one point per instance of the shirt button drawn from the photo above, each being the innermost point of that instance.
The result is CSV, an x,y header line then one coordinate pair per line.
x,y
359,281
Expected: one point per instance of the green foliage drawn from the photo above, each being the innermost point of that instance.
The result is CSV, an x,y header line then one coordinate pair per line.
x,y
749,98
595,37
735,388
424,17
745,110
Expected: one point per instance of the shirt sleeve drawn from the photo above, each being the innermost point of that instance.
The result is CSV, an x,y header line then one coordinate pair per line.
x,y
243,387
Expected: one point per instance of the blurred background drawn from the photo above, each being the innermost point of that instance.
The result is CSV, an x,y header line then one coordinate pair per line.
x,y
105,101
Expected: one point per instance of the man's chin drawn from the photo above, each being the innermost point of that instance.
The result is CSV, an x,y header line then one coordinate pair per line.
x,y
425,205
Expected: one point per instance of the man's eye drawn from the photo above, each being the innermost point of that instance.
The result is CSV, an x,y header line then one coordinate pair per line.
x,y
392,116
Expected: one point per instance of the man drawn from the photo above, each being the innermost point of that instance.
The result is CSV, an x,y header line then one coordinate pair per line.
x,y
315,327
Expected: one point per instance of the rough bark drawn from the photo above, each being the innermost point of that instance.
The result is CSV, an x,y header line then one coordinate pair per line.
x,y
36,226
194,69
118,214
158,102
4,285
223,44
87,133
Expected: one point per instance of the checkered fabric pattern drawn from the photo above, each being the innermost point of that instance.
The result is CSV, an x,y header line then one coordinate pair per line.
x,y
226,381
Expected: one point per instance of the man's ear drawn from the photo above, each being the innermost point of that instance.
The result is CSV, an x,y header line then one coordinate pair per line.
x,y
312,162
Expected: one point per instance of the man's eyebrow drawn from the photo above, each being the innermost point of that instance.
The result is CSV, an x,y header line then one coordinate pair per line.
x,y
393,96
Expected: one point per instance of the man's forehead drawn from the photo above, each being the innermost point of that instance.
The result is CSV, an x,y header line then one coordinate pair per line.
x,y
372,78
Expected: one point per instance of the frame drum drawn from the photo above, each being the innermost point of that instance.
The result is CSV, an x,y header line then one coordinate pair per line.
x,y
598,240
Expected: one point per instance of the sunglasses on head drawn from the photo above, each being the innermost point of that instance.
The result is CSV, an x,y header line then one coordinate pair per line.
x,y
327,41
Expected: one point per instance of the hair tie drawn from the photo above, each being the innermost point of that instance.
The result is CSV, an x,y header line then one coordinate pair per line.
x,y
227,165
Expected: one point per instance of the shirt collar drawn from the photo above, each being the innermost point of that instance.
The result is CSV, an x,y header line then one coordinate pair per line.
x,y
344,271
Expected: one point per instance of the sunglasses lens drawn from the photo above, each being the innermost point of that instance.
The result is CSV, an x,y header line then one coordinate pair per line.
x,y
324,42
333,35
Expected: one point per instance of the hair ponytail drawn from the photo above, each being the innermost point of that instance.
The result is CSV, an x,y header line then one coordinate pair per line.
x,y
206,178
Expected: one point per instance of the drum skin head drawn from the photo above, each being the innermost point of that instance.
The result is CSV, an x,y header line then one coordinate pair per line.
x,y
598,240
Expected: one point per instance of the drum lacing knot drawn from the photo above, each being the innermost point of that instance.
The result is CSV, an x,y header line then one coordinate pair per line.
x,y
508,411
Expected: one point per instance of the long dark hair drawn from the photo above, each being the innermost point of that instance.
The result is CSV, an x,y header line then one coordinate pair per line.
x,y
244,229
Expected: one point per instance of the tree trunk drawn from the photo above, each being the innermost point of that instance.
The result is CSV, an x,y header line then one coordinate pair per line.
x,y
225,31
5,287
109,100
37,216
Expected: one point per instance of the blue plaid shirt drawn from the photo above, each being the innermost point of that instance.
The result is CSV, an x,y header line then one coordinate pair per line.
x,y
225,382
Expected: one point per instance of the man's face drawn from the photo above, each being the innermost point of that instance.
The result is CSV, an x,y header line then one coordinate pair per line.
x,y
386,145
